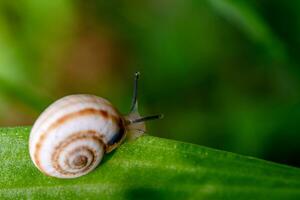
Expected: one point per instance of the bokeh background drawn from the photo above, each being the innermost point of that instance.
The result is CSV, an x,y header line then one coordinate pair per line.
x,y
225,73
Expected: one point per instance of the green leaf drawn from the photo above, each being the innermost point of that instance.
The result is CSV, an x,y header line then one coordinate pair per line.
x,y
148,168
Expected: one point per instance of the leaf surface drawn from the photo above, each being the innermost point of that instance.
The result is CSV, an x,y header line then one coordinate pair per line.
x,y
148,168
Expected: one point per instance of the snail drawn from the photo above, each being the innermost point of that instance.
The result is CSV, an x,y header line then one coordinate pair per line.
x,y
70,138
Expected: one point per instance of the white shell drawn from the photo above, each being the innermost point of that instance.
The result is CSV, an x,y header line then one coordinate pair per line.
x,y
71,136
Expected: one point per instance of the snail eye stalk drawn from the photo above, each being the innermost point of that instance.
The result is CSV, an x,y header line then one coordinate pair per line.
x,y
147,118
134,116
134,102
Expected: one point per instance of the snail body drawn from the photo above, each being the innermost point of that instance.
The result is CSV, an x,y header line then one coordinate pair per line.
x,y
72,135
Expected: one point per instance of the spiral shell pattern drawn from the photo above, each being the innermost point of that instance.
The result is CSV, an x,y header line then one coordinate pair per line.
x,y
71,136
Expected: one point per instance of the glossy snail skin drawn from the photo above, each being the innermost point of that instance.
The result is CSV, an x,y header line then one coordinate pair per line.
x,y
71,136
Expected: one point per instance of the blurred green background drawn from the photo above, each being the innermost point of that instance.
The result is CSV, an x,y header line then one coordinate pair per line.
x,y
224,73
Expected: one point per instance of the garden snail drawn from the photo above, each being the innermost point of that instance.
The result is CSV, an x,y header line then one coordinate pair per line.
x,y
71,136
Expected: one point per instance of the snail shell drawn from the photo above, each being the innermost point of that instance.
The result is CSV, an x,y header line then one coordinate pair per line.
x,y
71,136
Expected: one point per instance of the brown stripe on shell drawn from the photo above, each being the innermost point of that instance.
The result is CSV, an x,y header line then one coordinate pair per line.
x,y
81,135
84,168
70,102
79,161
62,120
104,114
